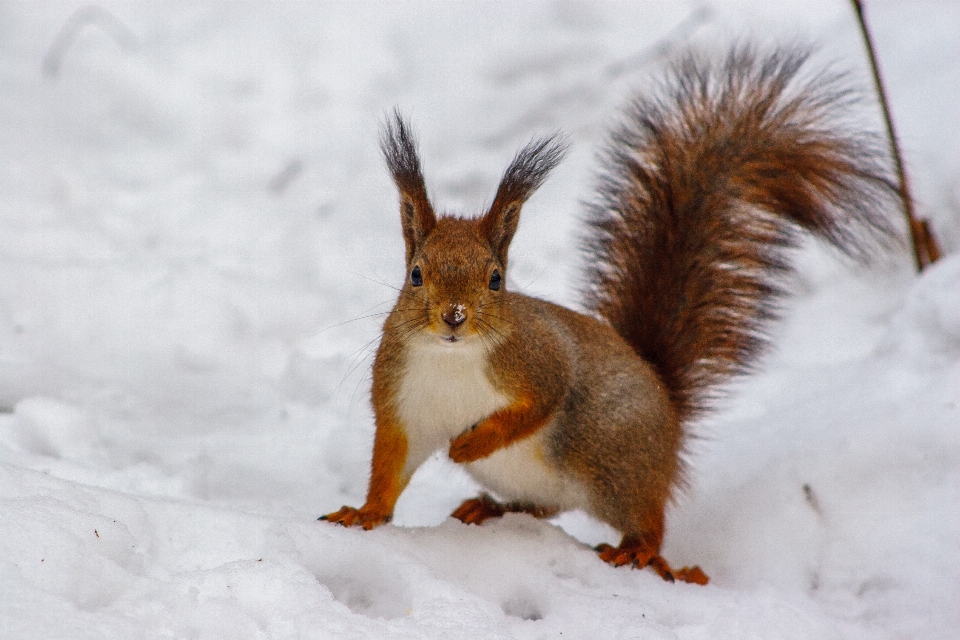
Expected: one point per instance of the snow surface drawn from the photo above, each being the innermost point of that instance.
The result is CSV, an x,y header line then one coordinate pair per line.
x,y
198,235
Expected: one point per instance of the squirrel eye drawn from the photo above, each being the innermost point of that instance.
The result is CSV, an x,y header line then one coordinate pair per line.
x,y
495,280
416,278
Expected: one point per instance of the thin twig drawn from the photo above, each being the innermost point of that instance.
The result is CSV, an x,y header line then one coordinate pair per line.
x,y
925,248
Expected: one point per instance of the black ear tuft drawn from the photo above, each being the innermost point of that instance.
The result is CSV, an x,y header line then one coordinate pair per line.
x,y
530,168
399,147
525,174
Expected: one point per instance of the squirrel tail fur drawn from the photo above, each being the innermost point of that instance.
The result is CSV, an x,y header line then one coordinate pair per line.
x,y
704,188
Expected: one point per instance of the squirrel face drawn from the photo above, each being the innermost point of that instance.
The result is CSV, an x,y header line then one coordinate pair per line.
x,y
456,267
455,285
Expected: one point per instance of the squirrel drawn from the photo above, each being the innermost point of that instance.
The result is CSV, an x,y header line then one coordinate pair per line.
x,y
705,186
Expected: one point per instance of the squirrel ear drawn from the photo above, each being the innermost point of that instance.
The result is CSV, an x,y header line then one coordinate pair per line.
x,y
524,175
399,147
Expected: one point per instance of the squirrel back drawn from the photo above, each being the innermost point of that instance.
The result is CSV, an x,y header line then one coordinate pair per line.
x,y
704,188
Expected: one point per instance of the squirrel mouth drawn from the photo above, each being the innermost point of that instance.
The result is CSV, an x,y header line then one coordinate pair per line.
x,y
451,339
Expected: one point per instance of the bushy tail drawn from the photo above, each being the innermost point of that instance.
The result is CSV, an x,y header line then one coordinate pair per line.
x,y
705,186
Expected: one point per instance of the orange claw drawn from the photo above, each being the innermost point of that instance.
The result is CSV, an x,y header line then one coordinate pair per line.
x,y
693,575
351,516
639,555
625,554
476,510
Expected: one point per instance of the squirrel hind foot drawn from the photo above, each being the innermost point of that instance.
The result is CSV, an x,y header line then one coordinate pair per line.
x,y
638,554
476,510
484,507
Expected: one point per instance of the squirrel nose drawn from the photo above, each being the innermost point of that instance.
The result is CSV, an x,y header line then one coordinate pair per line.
x,y
454,316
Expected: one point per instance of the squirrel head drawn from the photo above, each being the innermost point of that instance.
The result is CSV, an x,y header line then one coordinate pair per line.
x,y
457,267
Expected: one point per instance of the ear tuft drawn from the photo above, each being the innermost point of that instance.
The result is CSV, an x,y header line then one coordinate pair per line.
x,y
399,147
525,174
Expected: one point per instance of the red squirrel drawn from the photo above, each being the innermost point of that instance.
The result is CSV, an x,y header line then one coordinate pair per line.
x,y
704,187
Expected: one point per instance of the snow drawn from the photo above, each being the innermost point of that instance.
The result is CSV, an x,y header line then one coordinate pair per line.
x,y
198,237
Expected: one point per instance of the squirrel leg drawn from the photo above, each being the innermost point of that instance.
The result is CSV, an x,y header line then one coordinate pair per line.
x,y
484,507
641,551
387,480
501,429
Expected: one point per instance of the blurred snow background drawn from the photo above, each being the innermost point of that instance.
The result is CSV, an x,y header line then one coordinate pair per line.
x,y
197,235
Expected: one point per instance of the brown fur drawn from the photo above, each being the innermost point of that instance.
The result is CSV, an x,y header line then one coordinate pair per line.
x,y
484,507
387,480
705,188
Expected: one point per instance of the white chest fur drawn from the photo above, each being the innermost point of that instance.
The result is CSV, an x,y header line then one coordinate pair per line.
x,y
444,390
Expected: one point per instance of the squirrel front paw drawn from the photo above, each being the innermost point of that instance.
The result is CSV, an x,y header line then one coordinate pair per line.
x,y
473,444
351,517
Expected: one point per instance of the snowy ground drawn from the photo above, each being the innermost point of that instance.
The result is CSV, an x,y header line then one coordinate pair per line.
x,y
192,214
